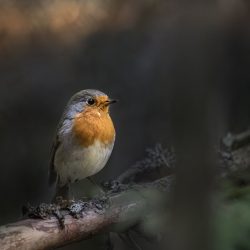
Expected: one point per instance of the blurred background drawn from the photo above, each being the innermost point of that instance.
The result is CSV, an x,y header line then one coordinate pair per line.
x,y
180,69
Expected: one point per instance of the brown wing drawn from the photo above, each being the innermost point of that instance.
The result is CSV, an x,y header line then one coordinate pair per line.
x,y
52,171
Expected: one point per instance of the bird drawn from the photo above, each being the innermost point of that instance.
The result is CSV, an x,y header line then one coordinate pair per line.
x,y
84,140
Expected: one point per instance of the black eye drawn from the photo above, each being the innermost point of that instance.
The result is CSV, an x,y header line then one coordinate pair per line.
x,y
91,101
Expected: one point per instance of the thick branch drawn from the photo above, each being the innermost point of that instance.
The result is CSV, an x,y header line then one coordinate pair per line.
x,y
125,210
45,234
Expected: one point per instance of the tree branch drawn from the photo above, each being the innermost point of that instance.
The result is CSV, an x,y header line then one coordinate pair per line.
x,y
124,206
121,211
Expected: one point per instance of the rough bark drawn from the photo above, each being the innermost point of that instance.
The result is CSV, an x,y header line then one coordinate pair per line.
x,y
125,206
122,210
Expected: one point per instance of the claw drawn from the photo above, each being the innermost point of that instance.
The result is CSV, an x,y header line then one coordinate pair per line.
x,y
60,217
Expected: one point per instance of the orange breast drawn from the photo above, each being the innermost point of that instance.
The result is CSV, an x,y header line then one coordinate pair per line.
x,y
93,124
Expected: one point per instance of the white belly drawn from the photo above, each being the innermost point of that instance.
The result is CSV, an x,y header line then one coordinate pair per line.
x,y
75,162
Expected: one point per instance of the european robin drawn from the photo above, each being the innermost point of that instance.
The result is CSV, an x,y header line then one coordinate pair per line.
x,y
84,139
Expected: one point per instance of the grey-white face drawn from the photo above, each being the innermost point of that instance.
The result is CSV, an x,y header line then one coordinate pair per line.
x,y
76,105
81,99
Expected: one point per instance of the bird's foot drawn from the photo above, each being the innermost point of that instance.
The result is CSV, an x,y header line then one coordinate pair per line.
x,y
66,207
114,186
45,211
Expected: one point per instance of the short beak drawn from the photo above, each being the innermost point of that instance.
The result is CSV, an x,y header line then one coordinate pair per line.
x,y
110,101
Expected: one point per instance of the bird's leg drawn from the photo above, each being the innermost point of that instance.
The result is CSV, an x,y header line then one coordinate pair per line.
x,y
62,193
96,184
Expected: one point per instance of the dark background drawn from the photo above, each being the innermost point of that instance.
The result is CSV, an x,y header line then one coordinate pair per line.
x,y
135,51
